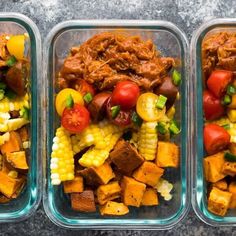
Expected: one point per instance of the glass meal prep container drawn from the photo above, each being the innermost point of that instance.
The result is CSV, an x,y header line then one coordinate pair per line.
x,y
171,42
199,184
26,203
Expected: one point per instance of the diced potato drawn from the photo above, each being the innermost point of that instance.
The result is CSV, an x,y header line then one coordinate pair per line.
x,y
83,202
74,186
150,197
221,184
212,167
218,201
17,160
167,155
108,192
229,168
148,173
114,209
232,189
132,191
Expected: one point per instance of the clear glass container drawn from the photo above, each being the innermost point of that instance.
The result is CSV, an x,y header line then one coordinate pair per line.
x,y
199,188
171,42
27,202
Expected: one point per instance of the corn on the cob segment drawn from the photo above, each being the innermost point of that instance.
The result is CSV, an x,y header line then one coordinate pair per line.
x,y
134,139
13,124
62,161
16,104
164,188
147,140
108,128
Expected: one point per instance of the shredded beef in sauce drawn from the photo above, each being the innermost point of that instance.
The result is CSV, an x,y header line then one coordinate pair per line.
x,y
107,58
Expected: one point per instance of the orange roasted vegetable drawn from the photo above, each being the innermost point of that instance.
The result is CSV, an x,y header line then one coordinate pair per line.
x,y
232,189
74,186
114,209
17,160
221,184
150,197
14,144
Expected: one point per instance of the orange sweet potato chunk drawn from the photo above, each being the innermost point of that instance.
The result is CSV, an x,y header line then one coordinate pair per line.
x,y
14,144
150,197
114,209
74,186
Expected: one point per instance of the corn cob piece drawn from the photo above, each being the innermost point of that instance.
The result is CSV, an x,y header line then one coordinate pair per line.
x,y
164,188
62,161
96,157
147,140
109,128
13,124
134,139
16,104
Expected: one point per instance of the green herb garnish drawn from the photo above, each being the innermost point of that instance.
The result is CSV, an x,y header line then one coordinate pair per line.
x,y
115,111
88,97
69,101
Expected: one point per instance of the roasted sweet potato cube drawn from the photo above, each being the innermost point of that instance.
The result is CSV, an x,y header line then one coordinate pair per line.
x,y
232,189
74,186
97,175
24,134
8,185
212,167
17,160
132,191
150,197
114,209
167,154
148,173
218,201
14,144
108,192
229,168
221,184
83,202
4,199
126,157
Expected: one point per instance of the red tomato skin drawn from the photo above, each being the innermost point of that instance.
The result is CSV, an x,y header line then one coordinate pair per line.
x,y
212,106
84,87
218,82
75,119
216,138
125,94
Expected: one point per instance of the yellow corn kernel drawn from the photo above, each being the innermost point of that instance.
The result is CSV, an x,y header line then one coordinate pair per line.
x,y
164,188
13,174
171,112
231,113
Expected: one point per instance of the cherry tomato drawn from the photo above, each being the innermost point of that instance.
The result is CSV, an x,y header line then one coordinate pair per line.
x,y
16,46
216,138
84,87
218,82
125,94
146,107
62,97
122,119
75,119
212,106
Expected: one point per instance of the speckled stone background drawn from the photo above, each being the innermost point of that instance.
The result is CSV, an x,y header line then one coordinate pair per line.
x,y
187,14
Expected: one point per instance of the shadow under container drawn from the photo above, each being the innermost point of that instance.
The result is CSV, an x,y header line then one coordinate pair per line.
x,y
172,43
26,203
199,184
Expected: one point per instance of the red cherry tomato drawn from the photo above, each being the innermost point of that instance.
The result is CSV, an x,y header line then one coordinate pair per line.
x,y
125,94
215,138
212,106
122,119
84,87
218,82
75,119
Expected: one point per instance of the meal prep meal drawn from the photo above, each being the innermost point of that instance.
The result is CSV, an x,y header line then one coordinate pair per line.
x,y
116,101
219,134
14,116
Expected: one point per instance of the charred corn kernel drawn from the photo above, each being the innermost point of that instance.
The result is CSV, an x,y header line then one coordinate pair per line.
x,y
4,138
1,161
13,124
26,144
62,161
171,113
16,104
231,113
13,174
147,140
164,188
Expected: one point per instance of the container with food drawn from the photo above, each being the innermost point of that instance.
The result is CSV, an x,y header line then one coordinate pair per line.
x,y
117,124
214,116
20,167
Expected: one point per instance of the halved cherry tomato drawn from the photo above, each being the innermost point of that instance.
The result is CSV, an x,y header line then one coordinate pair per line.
x,y
84,87
122,119
146,107
62,97
16,46
75,119
125,94
218,82
212,106
216,138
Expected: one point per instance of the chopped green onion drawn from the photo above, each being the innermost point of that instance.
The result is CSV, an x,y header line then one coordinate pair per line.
x,y
10,94
176,78
226,126
11,61
115,111
88,97
231,90
174,129
161,128
3,85
230,157
161,102
2,92
226,100
136,119
24,113
69,101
